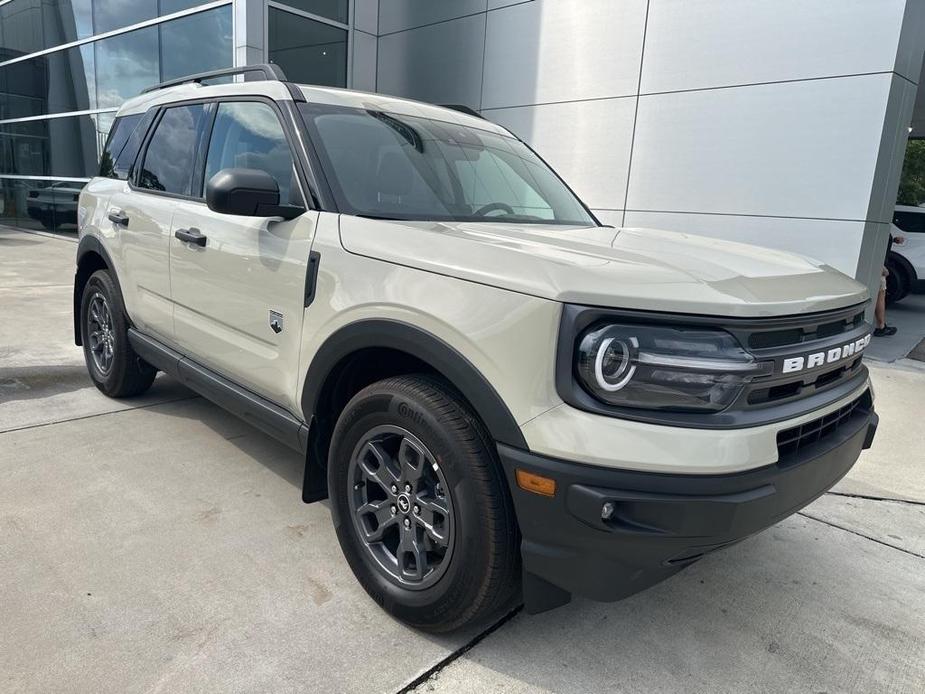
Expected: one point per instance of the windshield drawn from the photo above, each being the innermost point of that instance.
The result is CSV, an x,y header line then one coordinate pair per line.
x,y
404,167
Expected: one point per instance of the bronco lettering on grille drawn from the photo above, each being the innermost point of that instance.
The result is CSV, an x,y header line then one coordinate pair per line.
x,y
829,356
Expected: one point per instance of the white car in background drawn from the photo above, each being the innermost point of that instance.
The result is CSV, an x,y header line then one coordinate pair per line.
x,y
906,263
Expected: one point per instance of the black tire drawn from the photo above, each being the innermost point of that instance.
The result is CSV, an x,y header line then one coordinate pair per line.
x,y
898,282
482,570
126,374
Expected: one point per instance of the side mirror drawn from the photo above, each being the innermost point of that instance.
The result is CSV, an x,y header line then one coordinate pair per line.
x,y
247,192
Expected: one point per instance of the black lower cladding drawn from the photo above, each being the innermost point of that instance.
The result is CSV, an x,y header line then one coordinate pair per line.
x,y
660,523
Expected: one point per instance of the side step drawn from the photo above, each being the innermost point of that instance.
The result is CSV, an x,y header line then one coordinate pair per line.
x,y
253,409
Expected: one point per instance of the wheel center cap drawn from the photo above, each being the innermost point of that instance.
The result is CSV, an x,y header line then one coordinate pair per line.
x,y
404,503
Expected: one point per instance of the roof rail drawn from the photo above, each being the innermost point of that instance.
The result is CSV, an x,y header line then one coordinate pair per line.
x,y
271,72
464,109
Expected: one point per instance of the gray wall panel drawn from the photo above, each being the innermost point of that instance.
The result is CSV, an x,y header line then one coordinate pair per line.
x,y
892,150
841,240
546,51
398,15
569,137
366,16
798,149
911,42
441,63
709,43
363,68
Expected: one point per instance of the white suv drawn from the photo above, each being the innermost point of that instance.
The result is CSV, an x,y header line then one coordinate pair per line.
x,y
906,263
494,390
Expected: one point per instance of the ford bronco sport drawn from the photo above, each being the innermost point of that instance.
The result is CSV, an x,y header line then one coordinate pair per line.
x,y
500,396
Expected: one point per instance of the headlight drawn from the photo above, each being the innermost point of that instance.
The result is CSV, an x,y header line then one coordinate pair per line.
x,y
662,368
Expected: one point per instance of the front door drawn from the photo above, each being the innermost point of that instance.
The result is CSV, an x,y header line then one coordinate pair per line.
x,y
239,298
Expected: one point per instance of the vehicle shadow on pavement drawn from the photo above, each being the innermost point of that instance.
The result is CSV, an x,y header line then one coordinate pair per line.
x,y
41,381
801,606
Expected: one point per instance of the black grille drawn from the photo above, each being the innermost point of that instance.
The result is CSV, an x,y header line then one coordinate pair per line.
x,y
797,336
791,441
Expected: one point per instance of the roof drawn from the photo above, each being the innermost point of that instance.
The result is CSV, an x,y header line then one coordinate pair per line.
x,y
278,91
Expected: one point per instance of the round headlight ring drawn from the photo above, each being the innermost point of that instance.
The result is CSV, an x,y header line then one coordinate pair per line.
x,y
625,350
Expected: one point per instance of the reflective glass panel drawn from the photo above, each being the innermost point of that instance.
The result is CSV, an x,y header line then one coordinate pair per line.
x,y
197,43
114,14
27,26
50,147
126,64
30,204
309,52
52,83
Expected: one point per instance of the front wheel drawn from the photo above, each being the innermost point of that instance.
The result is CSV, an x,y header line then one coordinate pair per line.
x,y
420,504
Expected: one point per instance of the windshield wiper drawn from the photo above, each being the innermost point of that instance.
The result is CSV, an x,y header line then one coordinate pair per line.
x,y
382,216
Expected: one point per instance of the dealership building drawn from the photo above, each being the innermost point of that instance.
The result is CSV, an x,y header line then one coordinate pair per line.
x,y
776,122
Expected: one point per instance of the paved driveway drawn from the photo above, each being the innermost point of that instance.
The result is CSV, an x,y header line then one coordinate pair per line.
x,y
160,545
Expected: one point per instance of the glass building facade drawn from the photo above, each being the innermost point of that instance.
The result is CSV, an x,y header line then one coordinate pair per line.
x,y
67,65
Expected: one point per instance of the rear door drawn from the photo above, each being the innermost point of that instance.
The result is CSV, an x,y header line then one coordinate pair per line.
x,y
141,215
239,297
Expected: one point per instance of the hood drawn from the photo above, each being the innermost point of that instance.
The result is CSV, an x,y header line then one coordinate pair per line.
x,y
642,269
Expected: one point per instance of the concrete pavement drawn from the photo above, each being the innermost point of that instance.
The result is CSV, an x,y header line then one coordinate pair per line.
x,y
160,545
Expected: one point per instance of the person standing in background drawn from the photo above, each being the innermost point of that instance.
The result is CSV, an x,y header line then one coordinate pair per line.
x,y
881,329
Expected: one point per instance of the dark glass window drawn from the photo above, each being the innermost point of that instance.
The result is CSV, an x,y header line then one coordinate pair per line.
x,y
171,6
114,14
105,73
39,204
27,26
332,9
910,222
171,154
64,147
309,52
248,135
196,43
117,157
52,83
126,64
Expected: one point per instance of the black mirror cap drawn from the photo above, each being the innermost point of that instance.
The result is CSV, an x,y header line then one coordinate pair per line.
x,y
248,193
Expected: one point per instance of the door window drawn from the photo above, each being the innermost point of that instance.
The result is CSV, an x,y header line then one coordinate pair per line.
x,y
171,155
248,135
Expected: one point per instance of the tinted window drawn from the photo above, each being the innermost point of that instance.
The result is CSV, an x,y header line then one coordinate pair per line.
x,y
910,222
248,135
27,26
309,52
112,14
171,154
124,140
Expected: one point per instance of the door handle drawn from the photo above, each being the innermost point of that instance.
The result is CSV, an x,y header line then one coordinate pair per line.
x,y
119,218
193,236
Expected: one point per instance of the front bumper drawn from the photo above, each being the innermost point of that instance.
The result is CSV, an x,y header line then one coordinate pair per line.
x,y
660,522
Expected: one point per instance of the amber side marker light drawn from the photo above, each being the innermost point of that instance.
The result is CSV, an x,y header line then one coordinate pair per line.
x,y
537,484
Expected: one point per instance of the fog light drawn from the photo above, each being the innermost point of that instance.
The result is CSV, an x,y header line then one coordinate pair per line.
x,y
537,484
607,510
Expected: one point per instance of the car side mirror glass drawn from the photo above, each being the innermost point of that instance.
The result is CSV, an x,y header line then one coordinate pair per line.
x,y
248,193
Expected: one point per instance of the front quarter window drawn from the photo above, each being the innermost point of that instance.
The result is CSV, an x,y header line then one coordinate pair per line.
x,y
403,167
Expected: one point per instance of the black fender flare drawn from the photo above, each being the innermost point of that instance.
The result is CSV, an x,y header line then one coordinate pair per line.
x,y
89,244
432,350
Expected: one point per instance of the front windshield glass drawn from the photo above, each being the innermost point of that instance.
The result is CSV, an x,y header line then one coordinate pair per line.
x,y
404,167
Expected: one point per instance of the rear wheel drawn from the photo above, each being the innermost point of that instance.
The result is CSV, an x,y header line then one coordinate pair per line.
x,y
420,505
112,363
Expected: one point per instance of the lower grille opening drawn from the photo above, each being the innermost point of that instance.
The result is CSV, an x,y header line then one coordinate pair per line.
x,y
791,441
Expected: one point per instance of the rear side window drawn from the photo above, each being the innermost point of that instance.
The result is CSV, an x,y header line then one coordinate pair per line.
x,y
121,147
171,155
910,222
